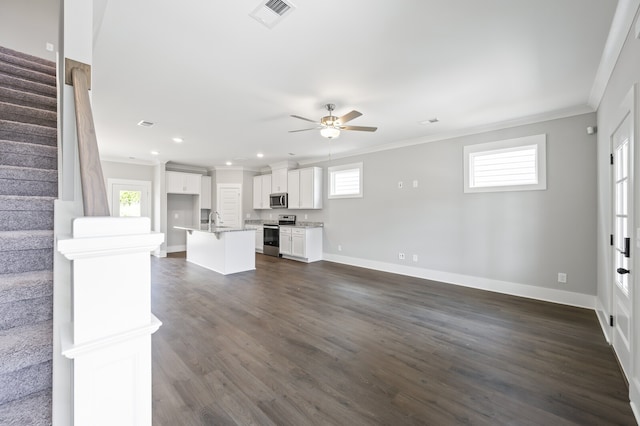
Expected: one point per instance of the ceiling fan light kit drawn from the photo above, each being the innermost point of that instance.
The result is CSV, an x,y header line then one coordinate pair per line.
x,y
331,125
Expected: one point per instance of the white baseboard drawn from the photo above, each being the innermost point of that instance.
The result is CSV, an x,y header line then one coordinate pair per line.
x,y
505,287
603,319
174,249
634,396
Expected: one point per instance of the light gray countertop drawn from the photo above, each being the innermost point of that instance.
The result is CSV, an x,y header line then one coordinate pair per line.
x,y
214,229
301,224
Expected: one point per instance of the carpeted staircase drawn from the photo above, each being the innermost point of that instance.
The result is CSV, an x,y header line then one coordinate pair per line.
x,y
28,186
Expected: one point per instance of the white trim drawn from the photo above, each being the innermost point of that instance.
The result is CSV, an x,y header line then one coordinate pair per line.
x,y
146,184
537,141
603,319
634,396
332,170
515,289
621,24
71,350
174,249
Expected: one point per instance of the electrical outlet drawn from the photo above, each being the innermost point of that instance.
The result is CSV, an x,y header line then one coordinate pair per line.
x,y
400,185
270,215
401,256
248,215
415,183
562,277
306,216
339,247
415,257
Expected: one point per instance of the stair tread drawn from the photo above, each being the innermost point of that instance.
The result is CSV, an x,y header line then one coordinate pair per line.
x,y
28,85
28,74
28,115
27,57
28,173
26,203
26,148
26,285
32,410
28,128
27,345
18,97
26,240
49,69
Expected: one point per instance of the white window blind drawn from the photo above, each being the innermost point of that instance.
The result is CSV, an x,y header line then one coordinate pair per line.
x,y
345,181
509,165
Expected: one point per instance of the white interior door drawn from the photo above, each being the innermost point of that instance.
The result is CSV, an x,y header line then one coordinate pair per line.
x,y
229,204
623,275
129,198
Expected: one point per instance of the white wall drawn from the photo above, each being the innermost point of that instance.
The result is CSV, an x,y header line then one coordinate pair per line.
x,y
626,73
27,25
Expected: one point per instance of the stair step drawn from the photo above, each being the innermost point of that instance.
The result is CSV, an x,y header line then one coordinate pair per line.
x,y
25,251
27,57
27,85
28,181
32,410
24,114
20,383
27,74
24,63
28,285
25,213
30,133
21,347
32,100
23,154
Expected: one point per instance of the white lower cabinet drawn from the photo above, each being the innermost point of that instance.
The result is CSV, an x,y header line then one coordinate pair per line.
x,y
304,244
259,236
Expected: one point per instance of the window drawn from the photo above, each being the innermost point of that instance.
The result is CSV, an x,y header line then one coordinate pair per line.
x,y
345,181
508,165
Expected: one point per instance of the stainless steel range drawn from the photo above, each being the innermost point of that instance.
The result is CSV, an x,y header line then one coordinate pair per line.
x,y
271,243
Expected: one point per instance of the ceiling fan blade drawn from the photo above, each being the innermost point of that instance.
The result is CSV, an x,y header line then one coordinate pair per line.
x,y
303,130
305,119
360,128
349,116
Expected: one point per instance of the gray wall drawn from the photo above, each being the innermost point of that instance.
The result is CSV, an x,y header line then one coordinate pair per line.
x,y
27,25
519,237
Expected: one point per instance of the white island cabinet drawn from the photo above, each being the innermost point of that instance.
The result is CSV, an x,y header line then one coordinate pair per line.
x,y
222,250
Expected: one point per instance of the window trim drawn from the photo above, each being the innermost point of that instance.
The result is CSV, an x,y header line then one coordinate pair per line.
x,y
330,177
540,141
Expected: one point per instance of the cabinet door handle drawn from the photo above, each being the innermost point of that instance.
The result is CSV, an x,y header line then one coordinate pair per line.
x,y
622,271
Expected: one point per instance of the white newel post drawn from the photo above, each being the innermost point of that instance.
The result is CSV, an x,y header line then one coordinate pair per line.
x,y
109,338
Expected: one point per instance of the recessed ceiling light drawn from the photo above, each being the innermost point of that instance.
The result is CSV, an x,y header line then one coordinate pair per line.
x,y
430,121
260,155
178,140
144,123
228,163
155,153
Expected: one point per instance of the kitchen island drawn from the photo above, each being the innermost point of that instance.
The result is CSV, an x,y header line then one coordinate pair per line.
x,y
225,250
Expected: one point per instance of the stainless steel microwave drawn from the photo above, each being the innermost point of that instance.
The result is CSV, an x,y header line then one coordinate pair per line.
x,y
278,201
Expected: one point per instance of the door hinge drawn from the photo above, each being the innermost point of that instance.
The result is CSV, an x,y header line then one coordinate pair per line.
x,y
611,320
611,159
611,239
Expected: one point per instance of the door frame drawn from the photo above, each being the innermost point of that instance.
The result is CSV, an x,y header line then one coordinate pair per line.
x,y
629,107
114,181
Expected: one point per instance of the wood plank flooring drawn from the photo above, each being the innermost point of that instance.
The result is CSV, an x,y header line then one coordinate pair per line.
x,y
329,344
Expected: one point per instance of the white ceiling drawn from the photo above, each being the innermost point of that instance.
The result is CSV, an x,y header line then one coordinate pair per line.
x,y
207,72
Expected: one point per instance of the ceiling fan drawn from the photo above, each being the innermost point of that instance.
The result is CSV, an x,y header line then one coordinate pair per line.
x,y
330,125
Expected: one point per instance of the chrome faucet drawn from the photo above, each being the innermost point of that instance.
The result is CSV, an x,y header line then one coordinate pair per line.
x,y
212,220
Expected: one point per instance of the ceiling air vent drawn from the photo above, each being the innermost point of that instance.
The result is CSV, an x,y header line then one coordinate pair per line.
x,y
144,123
271,12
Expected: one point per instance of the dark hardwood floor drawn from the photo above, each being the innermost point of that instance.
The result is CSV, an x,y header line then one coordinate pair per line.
x,y
328,344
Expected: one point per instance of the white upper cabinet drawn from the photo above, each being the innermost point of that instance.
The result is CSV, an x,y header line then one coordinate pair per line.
x,y
305,188
205,196
293,183
261,191
183,183
279,181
